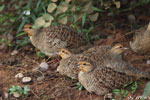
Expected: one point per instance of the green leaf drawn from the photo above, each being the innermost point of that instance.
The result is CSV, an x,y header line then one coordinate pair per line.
x,y
63,7
63,20
37,5
51,7
12,90
22,24
47,17
40,21
2,8
28,4
79,86
24,42
40,54
147,90
2,40
134,87
47,24
93,17
20,34
125,93
83,19
97,9
116,91
26,90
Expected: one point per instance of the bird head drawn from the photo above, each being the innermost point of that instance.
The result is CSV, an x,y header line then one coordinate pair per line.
x,y
84,66
64,53
118,49
28,29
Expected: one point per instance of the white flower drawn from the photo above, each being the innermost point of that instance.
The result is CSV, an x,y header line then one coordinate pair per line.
x,y
27,12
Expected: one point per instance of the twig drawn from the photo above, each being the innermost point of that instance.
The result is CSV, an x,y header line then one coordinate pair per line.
x,y
124,35
35,95
91,97
79,96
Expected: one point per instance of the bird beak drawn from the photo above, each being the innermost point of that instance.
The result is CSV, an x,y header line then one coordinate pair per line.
x,y
57,52
126,48
76,66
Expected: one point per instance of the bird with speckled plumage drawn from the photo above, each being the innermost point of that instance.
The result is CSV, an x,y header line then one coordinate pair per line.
x,y
99,79
141,42
110,56
51,39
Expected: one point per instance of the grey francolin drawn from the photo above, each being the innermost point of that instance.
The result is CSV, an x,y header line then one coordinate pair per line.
x,y
111,57
101,55
107,56
51,39
68,61
101,79
141,43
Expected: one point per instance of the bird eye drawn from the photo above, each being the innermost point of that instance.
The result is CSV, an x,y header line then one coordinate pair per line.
x,y
63,51
120,46
84,64
30,27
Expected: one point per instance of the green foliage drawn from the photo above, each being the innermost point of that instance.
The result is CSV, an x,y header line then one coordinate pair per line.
x,y
40,54
22,91
68,11
134,87
44,13
7,42
22,42
122,93
79,86
147,90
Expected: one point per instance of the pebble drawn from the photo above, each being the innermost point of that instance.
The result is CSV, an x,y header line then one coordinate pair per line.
x,y
16,94
19,75
131,18
26,79
14,52
44,66
148,62
5,95
41,78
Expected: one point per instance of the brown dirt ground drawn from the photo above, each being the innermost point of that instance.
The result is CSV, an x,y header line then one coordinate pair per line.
x,y
57,87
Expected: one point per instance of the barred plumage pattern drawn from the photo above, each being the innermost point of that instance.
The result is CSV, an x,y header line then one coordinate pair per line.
x,y
100,56
52,38
102,80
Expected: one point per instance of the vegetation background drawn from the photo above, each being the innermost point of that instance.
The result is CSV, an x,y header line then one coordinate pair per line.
x,y
102,21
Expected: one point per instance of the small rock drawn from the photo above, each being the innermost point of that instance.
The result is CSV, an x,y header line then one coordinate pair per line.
x,y
26,79
26,65
41,78
57,69
16,94
148,62
14,52
110,14
5,95
44,66
131,18
19,75
108,96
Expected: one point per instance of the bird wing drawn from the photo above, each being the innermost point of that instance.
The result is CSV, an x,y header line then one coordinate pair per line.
x,y
110,78
65,34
